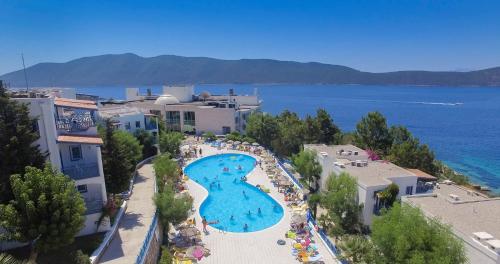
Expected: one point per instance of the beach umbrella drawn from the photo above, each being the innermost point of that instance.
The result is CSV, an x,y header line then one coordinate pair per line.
x,y
246,143
255,144
298,218
237,142
196,251
189,232
230,141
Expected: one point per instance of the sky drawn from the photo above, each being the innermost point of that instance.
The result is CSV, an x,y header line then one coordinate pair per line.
x,y
371,35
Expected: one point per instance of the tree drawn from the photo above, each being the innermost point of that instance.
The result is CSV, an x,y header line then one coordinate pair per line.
x,y
172,210
403,234
209,136
389,195
170,142
357,249
120,154
372,133
147,141
290,135
166,171
8,259
327,128
166,257
340,201
17,142
263,128
307,165
312,130
47,210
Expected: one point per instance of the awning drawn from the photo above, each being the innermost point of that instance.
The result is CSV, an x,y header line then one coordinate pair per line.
x,y
80,140
422,175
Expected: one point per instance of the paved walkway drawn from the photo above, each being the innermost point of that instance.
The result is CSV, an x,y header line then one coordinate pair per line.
x,y
254,247
135,223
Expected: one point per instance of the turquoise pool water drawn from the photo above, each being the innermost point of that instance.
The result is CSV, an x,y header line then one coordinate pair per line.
x,y
229,196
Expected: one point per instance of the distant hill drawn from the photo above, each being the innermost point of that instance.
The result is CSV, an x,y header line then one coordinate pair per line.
x,y
130,69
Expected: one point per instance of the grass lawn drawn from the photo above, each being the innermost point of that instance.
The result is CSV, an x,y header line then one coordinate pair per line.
x,y
63,255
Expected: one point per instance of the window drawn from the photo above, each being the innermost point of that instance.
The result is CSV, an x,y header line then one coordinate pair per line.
x,y
173,119
409,190
75,152
189,119
226,130
137,124
127,125
35,128
82,188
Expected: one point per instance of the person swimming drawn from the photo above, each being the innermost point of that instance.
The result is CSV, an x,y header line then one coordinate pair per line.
x,y
239,167
231,218
259,211
218,185
249,213
245,227
245,194
235,180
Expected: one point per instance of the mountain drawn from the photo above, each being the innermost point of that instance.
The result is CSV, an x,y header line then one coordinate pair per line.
x,y
132,70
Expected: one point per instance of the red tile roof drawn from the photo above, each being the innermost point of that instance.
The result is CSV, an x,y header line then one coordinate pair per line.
x,y
422,174
95,140
85,104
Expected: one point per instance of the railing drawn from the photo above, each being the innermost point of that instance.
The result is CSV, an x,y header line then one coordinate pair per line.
x,y
75,123
93,206
83,171
147,242
295,180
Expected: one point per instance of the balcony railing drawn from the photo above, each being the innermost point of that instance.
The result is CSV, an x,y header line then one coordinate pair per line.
x,y
93,206
75,123
84,171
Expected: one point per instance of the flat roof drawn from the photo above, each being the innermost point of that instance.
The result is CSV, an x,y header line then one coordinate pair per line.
x,y
422,174
85,104
94,140
472,213
375,173
118,110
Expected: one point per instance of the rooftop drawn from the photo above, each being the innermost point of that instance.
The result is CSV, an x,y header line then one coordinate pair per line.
x,y
372,174
466,210
109,111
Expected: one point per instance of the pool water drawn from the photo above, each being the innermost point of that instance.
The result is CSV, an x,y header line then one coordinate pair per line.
x,y
229,196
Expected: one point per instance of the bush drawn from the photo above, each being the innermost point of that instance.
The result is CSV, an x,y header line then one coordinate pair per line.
x,y
209,136
166,258
80,258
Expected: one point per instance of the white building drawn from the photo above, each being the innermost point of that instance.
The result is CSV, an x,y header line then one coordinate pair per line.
x,y
68,132
372,176
130,119
183,111
474,218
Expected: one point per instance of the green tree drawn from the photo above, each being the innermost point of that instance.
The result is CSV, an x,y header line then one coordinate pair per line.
x,y
46,211
263,128
312,130
340,201
210,136
389,195
357,249
120,154
372,133
307,165
147,141
172,210
166,257
166,170
327,128
290,135
8,259
17,142
403,234
170,142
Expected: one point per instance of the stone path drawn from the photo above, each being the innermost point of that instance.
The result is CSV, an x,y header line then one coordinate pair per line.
x,y
254,247
135,223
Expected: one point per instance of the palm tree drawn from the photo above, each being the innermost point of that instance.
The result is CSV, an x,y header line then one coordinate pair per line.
x,y
8,259
356,249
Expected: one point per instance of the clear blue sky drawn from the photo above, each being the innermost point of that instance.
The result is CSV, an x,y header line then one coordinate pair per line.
x,y
368,35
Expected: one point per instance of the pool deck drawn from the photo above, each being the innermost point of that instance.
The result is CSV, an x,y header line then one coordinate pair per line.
x,y
253,247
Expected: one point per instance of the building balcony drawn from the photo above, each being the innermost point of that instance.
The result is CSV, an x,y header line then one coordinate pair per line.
x,y
93,206
75,124
83,171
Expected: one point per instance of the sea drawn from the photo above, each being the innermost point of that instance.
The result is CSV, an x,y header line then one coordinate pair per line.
x,y
461,124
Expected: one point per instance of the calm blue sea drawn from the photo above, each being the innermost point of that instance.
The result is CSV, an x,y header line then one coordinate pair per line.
x,y
461,124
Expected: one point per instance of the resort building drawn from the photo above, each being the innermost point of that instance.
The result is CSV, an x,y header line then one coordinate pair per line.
x,y
184,111
372,176
129,119
68,133
474,218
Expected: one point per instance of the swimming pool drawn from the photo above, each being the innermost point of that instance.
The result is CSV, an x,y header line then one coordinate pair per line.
x,y
232,202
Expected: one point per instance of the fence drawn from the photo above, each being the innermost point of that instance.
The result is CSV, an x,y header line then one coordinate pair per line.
x,y
147,242
295,180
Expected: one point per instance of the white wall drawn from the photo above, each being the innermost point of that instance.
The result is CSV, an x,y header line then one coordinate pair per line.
x,y
182,93
132,118
89,154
